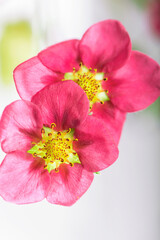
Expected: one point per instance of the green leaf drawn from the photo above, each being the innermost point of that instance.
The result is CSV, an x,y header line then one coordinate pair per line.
x,y
15,47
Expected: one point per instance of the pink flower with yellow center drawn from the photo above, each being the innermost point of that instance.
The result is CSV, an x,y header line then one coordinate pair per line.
x,y
115,79
53,146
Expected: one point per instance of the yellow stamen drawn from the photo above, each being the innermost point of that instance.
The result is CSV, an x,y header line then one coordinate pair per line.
x,y
55,148
91,82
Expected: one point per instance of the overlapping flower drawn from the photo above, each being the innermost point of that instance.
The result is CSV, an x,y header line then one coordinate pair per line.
x,y
115,78
75,96
53,146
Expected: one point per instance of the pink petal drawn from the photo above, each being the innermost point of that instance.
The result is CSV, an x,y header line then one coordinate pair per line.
x,y
136,85
23,180
20,125
31,76
61,57
64,104
95,147
112,116
69,184
105,46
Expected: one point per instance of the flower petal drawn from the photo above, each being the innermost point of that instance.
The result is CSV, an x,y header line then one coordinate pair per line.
x,y
23,180
61,57
105,46
136,85
69,184
112,116
31,76
95,147
20,125
64,104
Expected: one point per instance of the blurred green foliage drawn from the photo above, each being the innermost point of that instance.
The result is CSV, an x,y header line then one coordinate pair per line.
x,y
141,3
154,108
15,47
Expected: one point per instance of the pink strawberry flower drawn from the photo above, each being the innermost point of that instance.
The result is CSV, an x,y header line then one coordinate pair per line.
x,y
53,147
115,79
154,16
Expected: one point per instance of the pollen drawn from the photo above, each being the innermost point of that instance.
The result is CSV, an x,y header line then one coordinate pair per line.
x,y
91,82
55,148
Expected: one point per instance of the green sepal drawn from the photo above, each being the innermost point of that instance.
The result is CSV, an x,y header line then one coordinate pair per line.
x,y
69,76
99,76
34,149
102,96
97,173
47,130
51,166
90,113
84,69
70,134
74,158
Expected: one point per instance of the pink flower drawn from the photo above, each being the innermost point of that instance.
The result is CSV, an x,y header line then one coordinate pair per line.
x,y
154,16
115,79
52,148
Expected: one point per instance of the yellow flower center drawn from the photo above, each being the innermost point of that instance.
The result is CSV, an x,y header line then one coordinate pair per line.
x,y
91,82
55,148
